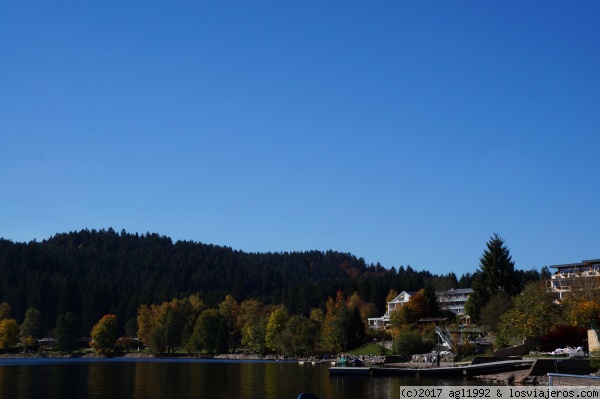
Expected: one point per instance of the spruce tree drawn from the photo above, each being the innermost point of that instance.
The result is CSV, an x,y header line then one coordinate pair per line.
x,y
496,273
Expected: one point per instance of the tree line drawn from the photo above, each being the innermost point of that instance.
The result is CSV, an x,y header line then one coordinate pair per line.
x,y
74,279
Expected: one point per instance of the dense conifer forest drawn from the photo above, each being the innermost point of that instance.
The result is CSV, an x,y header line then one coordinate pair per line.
x,y
92,273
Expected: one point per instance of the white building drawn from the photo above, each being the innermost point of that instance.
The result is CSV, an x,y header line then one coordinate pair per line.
x,y
380,323
454,300
584,275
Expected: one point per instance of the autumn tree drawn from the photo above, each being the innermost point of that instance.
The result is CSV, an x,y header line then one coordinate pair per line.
x,y
336,326
581,305
422,304
104,335
366,309
146,320
9,333
252,324
496,273
391,296
274,328
170,325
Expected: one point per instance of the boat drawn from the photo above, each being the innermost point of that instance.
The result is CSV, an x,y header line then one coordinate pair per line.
x,y
306,395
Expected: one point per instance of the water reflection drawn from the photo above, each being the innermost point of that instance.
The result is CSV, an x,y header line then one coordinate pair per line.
x,y
150,378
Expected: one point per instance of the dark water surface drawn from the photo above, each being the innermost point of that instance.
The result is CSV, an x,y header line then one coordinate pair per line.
x,y
186,378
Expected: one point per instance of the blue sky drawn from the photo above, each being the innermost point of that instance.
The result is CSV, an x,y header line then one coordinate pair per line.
x,y
406,133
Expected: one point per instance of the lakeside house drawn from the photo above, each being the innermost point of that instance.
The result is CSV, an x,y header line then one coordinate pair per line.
x,y
380,323
452,300
570,276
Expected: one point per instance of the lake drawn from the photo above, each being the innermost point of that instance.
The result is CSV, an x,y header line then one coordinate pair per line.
x,y
190,378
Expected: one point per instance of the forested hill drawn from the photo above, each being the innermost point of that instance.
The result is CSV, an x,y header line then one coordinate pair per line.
x,y
92,273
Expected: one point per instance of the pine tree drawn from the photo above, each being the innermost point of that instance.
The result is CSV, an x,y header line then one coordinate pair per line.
x,y
496,273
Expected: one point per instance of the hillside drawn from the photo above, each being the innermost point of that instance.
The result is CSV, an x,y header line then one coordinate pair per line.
x,y
91,273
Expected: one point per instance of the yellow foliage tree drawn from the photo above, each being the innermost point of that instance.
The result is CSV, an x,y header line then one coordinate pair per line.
x,y
580,314
391,296
104,335
582,303
9,333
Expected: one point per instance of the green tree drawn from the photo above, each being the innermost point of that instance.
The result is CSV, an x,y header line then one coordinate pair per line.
x,y
5,311
533,314
432,307
9,333
29,331
299,337
496,273
229,309
157,339
318,315
408,341
191,308
171,318
209,332
490,315
104,335
66,333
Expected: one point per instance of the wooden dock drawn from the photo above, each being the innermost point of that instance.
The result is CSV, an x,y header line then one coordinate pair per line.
x,y
445,371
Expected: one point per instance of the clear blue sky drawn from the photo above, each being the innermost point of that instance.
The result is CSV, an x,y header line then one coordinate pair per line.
x,y
403,132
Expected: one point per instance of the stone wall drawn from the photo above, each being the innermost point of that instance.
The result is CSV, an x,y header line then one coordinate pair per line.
x,y
519,350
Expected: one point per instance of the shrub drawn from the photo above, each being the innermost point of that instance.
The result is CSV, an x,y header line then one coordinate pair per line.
x,y
409,342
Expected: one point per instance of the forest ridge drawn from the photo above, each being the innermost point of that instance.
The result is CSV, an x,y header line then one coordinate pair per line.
x,y
92,273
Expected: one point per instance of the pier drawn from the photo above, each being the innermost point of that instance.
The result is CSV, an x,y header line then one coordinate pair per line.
x,y
446,371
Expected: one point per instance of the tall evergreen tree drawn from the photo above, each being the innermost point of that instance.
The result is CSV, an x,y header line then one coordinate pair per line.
x,y
67,333
496,273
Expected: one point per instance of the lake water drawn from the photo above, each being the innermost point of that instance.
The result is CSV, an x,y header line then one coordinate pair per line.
x,y
188,378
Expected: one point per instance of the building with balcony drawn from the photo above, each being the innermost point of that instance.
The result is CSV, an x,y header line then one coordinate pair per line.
x,y
454,300
583,275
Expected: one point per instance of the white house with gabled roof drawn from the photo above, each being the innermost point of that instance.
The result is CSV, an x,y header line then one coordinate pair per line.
x,y
380,323
453,300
